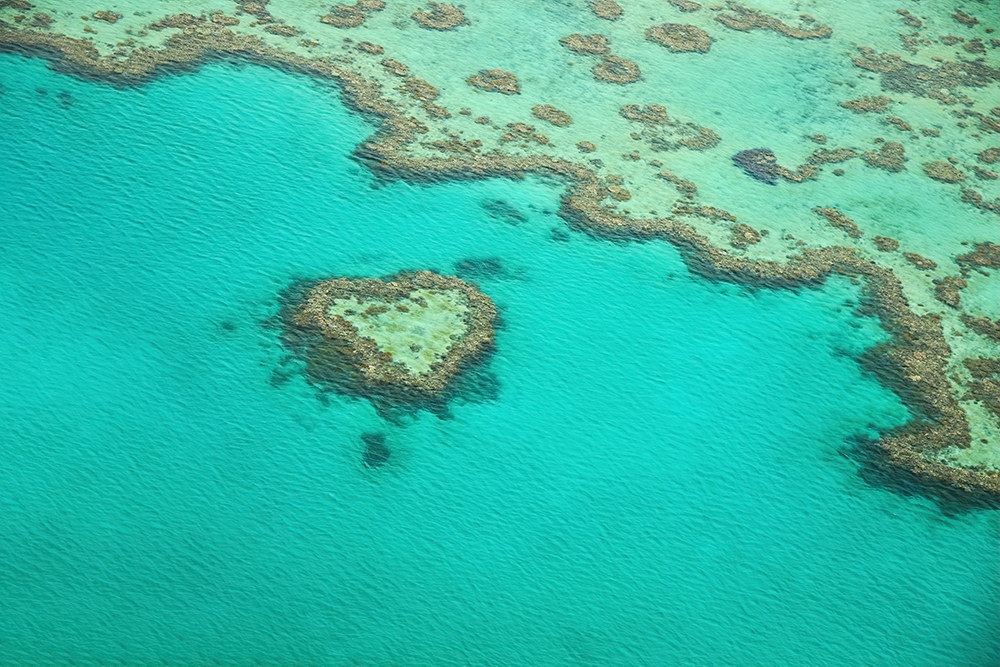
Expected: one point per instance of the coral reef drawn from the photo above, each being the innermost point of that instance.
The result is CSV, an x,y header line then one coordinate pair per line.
x,y
652,114
108,17
495,81
395,67
593,45
920,261
410,331
947,290
983,326
679,37
909,19
745,20
419,89
901,76
549,113
685,5
891,157
441,16
985,256
989,156
834,155
970,196
614,69
885,244
744,235
877,104
840,221
899,123
281,30
685,187
915,361
608,10
761,164
346,16
944,171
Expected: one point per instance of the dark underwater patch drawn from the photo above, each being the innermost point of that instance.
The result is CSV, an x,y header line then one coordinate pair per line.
x,y
759,163
376,452
501,209
481,269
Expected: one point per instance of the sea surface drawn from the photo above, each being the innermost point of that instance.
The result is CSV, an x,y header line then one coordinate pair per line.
x,y
652,469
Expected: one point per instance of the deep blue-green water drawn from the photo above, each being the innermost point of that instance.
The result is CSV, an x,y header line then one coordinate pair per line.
x,y
655,478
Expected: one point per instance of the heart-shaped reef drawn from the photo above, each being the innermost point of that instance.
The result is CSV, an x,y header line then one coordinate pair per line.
x,y
413,331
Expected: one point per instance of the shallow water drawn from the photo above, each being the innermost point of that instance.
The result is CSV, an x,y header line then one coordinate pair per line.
x,y
658,478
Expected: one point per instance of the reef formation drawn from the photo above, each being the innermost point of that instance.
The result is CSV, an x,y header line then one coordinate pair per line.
x,y
927,296
410,333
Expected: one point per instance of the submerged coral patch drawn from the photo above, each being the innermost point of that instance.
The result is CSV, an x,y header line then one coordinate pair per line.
x,y
592,45
608,10
441,16
679,37
411,331
745,19
495,81
614,69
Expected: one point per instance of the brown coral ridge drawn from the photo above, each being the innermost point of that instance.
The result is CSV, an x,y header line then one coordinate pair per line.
x,y
591,45
282,30
685,5
107,17
983,326
351,16
743,236
985,387
876,104
902,76
680,38
495,81
609,10
944,171
832,155
744,19
550,114
839,220
919,261
913,362
441,16
651,114
885,243
615,69
375,368
890,157
947,290
909,19
762,165
665,134
985,256
970,196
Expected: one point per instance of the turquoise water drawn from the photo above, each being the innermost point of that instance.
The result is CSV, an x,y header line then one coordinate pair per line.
x,y
656,481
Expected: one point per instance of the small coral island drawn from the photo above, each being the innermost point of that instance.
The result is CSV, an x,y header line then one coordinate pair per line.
x,y
408,334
